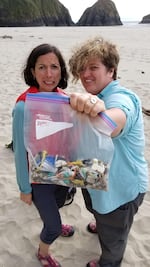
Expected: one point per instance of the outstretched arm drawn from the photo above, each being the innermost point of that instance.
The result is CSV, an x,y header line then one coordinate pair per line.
x,y
92,105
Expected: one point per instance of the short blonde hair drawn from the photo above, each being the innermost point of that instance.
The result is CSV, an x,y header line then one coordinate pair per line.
x,y
94,48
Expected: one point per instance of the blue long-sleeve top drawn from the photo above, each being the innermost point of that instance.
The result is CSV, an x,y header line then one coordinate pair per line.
x,y
21,161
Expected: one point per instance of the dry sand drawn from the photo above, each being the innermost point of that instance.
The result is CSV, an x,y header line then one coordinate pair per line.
x,y
19,224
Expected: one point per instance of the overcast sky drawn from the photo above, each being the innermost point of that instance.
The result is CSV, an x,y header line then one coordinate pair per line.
x,y
133,10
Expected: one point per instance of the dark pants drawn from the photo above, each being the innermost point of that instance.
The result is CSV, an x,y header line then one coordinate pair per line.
x,y
113,229
48,199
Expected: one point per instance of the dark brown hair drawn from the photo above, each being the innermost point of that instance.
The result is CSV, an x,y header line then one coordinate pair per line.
x,y
38,51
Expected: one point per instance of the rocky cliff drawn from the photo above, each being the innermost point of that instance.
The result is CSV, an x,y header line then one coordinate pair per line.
x,y
145,19
102,13
33,13
23,13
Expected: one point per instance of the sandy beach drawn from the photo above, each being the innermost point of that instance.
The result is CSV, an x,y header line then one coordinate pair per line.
x,y
20,224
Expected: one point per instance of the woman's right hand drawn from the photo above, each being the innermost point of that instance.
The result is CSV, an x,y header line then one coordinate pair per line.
x,y
87,103
27,198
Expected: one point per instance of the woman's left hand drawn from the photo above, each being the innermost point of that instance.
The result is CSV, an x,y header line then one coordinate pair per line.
x,y
87,103
27,198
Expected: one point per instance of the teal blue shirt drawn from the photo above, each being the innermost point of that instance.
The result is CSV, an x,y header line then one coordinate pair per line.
x,y
20,153
128,171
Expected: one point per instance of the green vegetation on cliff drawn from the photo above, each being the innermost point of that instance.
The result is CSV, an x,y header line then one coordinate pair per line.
x,y
16,9
33,13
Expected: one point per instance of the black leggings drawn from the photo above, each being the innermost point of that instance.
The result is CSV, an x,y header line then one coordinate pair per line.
x,y
48,199
113,229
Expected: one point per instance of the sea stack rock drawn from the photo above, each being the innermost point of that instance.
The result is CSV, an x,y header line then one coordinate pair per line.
x,y
102,13
145,19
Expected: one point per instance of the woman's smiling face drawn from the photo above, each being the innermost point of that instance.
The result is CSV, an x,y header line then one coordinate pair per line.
x,y
95,76
47,72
